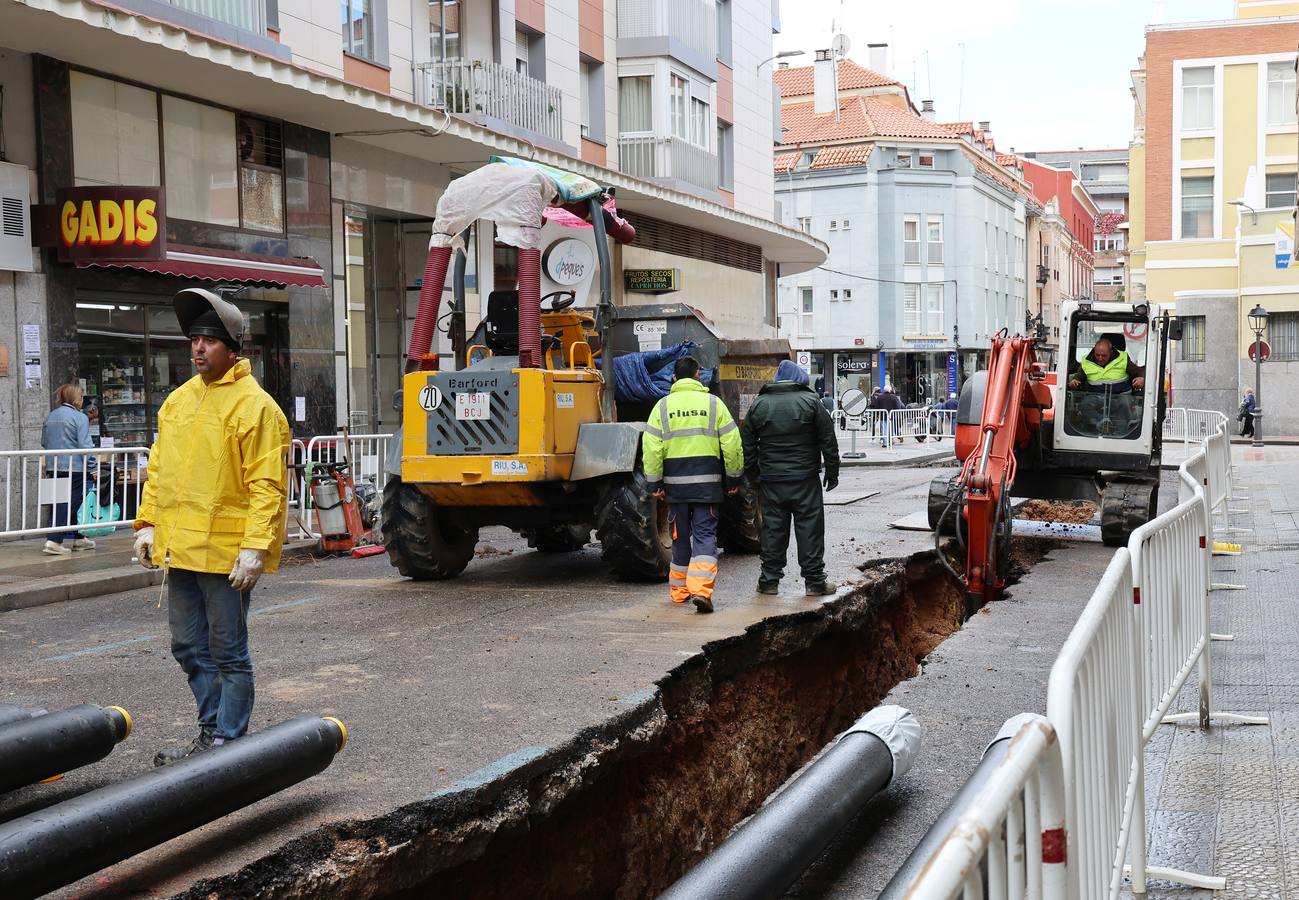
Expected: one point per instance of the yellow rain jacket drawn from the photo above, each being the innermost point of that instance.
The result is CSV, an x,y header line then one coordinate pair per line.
x,y
217,475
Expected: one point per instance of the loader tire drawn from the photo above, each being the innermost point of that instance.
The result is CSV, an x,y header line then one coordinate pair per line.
x,y
1125,507
632,527
739,527
558,538
421,541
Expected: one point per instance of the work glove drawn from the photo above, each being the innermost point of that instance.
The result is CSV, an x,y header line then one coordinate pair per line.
x,y
144,547
247,569
831,481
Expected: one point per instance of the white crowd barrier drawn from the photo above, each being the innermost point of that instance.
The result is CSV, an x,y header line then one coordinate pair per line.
x,y
1010,842
891,429
1143,632
365,455
46,487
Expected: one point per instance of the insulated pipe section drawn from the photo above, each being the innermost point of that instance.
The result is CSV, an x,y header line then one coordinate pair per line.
x,y
900,884
529,307
63,843
10,713
32,750
430,298
772,849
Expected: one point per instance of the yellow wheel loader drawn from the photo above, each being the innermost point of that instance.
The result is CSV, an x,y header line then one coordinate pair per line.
x,y
526,434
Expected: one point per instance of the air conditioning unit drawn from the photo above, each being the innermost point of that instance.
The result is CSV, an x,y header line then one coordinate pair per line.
x,y
15,218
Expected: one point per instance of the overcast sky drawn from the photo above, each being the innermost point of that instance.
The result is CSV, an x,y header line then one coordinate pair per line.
x,y
1048,75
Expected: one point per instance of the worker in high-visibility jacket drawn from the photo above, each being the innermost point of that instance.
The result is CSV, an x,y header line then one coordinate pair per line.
x,y
692,457
1104,369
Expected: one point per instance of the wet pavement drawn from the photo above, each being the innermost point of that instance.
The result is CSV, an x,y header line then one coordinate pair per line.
x,y
436,681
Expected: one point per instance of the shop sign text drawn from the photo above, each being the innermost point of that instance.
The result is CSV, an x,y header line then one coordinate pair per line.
x,y
111,223
652,281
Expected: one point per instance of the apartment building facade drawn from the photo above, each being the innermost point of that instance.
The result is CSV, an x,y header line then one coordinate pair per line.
x,y
1213,199
1104,176
301,162
927,234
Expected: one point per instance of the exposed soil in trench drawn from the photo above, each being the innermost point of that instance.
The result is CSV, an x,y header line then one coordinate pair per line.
x,y
1078,512
626,808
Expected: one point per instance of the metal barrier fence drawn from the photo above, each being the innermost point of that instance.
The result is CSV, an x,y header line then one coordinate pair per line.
x,y
365,454
890,429
1119,672
1010,842
44,487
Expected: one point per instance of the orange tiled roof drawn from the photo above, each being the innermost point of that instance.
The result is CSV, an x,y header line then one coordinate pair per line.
x,y
959,127
859,117
785,162
1008,159
798,81
841,155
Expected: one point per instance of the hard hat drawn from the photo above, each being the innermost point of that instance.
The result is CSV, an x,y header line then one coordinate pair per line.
x,y
201,312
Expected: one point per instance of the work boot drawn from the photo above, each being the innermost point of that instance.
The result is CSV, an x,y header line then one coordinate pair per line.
x,y
703,604
821,589
768,587
168,755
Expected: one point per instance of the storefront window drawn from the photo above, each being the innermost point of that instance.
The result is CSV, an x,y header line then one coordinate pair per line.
x,y
853,370
114,132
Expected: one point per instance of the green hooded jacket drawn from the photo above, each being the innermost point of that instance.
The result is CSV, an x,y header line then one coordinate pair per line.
x,y
787,434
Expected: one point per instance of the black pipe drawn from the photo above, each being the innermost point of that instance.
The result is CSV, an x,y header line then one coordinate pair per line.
x,y
10,713
63,843
771,850
905,877
32,750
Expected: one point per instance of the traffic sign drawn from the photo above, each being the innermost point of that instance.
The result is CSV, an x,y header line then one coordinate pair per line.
x,y
853,402
1259,347
804,360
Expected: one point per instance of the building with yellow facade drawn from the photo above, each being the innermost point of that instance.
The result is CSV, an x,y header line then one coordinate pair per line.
x,y
1213,165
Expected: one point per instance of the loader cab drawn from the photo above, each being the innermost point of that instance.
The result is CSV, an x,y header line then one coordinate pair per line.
x,y
1103,401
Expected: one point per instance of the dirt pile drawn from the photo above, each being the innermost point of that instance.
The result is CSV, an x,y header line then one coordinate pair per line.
x,y
1077,512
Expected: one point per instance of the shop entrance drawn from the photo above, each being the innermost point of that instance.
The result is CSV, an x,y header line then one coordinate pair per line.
x,y
384,267
131,355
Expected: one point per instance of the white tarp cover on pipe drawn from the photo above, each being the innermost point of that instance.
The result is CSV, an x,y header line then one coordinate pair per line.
x,y
898,729
511,193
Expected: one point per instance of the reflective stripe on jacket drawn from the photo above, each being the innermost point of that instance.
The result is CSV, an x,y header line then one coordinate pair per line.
x,y
691,445
217,475
1113,372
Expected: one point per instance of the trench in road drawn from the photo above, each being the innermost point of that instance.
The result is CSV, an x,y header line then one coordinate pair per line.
x,y
625,808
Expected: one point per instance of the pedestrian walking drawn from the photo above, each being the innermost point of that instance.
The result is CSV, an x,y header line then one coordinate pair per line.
x,y
691,454
1246,413
67,428
786,436
212,514
884,403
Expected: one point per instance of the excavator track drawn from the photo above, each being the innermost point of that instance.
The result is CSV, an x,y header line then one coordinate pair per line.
x,y
1126,505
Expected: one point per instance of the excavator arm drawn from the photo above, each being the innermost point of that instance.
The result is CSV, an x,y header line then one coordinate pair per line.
x,y
1013,403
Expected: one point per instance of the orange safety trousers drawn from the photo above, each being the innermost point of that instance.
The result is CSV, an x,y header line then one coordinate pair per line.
x,y
693,572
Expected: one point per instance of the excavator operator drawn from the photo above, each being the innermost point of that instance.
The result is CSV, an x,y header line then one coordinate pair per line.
x,y
1106,371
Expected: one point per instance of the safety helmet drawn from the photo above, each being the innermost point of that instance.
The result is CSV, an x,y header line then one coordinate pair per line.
x,y
202,312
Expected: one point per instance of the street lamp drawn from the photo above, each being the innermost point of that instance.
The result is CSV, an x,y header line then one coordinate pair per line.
x,y
783,54
1258,322
1240,203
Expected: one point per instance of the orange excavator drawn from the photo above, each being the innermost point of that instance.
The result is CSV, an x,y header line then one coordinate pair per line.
x,y
1093,432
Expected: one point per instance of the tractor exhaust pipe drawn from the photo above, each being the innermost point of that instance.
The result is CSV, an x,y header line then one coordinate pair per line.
x,y
34,749
46,850
529,307
768,853
430,299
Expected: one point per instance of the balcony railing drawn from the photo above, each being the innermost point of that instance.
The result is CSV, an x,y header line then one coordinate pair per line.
x,y
487,90
671,157
692,22
250,15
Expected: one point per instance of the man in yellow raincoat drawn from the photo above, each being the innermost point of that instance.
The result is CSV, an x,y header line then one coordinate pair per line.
x,y
212,513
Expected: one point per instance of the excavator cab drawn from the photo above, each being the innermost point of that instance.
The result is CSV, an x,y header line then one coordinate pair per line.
x,y
1094,432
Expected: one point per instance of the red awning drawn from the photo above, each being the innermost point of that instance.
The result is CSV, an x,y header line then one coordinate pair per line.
x,y
205,264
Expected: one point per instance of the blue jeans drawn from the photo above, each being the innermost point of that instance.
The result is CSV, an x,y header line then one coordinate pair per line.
x,y
66,513
209,638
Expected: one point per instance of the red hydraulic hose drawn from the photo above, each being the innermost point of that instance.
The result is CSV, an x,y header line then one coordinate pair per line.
x,y
430,298
529,308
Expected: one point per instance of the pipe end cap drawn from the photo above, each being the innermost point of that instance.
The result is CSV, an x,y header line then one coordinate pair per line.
x,y
898,729
342,731
126,718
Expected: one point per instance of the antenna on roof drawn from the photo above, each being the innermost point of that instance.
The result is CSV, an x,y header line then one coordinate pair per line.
x,y
840,45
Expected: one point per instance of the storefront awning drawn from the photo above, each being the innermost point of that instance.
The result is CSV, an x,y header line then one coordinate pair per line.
x,y
204,264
